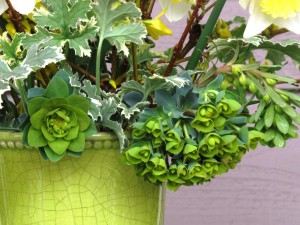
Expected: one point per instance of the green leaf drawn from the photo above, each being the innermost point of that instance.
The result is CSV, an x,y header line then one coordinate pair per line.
x,y
244,134
35,104
289,47
215,84
4,86
238,120
259,110
275,96
269,115
72,133
270,135
276,57
118,23
132,86
289,110
54,157
11,49
278,77
83,120
92,129
57,88
59,146
129,112
281,123
68,23
39,56
77,144
279,140
37,119
79,102
36,138
109,108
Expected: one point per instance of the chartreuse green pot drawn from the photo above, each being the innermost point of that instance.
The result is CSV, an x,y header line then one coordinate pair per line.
x,y
94,189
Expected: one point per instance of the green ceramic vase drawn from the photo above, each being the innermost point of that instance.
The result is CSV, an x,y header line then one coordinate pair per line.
x,y
95,189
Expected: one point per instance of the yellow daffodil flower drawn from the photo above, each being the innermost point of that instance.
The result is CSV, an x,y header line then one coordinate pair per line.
x,y
22,6
263,13
156,27
176,9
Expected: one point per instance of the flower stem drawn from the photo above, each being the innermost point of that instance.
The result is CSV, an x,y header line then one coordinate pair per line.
x,y
98,64
22,92
134,61
185,131
202,42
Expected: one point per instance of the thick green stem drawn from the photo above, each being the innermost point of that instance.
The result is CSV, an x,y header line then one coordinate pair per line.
x,y
185,131
202,42
135,63
23,94
98,63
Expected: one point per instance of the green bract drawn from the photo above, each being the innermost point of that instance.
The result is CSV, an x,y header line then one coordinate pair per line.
x,y
138,152
59,121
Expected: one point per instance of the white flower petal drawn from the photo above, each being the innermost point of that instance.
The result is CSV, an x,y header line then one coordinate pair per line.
x,y
244,3
175,11
3,6
292,23
256,24
164,3
22,6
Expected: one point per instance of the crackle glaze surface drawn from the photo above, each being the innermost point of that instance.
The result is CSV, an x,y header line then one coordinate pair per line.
x,y
95,189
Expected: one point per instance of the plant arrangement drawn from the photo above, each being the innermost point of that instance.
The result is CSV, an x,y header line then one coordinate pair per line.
x,y
184,115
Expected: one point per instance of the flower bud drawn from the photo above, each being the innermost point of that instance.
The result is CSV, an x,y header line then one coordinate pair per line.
x,y
272,82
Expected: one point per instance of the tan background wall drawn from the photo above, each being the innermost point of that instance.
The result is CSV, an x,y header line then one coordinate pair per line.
x,y
263,190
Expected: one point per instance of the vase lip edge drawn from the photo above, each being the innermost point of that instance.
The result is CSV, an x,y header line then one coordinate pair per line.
x,y
17,136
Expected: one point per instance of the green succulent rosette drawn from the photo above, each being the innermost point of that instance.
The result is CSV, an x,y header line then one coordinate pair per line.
x,y
59,121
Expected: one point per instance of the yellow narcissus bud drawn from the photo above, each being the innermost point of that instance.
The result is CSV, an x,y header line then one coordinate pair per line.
x,y
156,27
11,30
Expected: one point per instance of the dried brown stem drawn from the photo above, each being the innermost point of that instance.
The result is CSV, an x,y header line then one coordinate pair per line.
x,y
148,13
15,17
81,70
177,49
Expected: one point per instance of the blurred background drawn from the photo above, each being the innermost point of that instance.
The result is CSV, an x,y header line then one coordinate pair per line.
x,y
264,189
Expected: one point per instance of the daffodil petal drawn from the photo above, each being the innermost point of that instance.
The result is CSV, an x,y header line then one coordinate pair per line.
x,y
256,24
3,6
264,13
175,11
244,3
156,28
292,23
22,6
